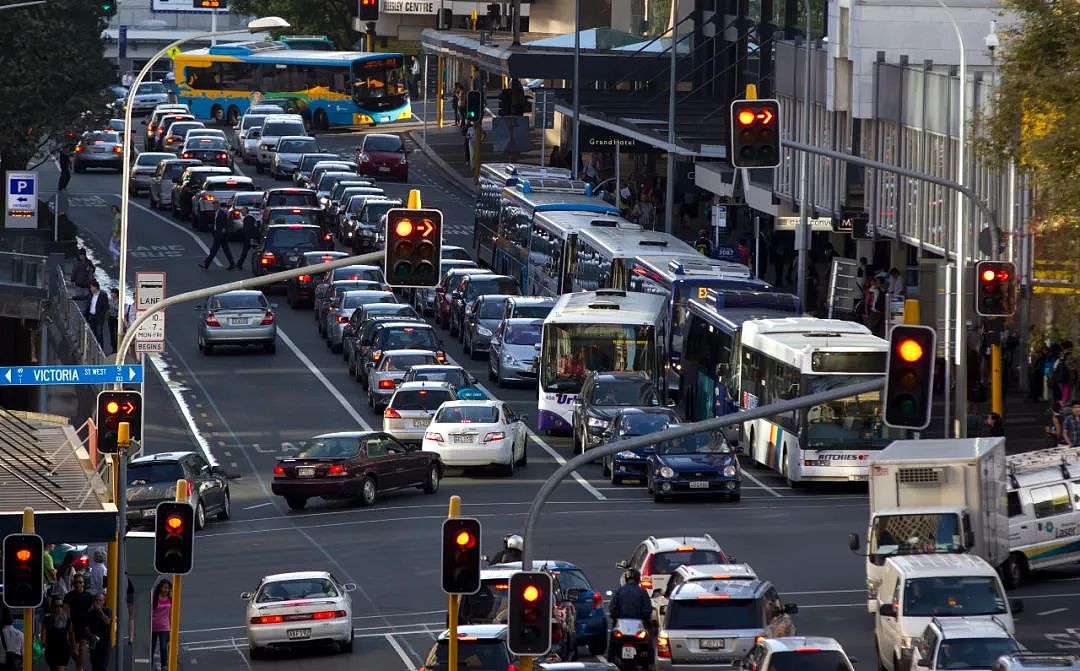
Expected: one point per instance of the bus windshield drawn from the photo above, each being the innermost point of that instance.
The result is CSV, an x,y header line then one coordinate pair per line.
x,y
569,350
379,83
846,423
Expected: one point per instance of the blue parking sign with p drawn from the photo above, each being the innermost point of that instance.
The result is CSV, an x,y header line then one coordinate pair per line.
x,y
21,200
22,186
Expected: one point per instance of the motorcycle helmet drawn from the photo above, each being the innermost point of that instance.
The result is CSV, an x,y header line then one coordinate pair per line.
x,y
631,576
514,542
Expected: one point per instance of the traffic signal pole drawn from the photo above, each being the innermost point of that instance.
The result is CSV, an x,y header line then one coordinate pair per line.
x,y
120,615
28,613
177,590
453,600
997,400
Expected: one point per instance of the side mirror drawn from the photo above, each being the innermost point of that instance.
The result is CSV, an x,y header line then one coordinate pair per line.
x,y
349,587
853,542
247,596
1016,606
887,610
791,608
622,564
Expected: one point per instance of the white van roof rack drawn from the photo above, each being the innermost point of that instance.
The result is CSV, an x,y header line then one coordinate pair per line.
x,y
1064,457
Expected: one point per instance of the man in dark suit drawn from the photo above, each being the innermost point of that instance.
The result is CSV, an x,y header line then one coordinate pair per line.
x,y
97,311
250,234
221,229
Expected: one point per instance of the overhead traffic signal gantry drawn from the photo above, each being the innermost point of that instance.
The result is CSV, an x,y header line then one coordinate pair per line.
x,y
24,570
529,613
174,537
995,288
413,247
461,555
114,407
755,133
909,376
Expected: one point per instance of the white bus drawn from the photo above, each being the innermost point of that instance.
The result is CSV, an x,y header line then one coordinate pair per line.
x,y
551,247
781,359
606,330
603,257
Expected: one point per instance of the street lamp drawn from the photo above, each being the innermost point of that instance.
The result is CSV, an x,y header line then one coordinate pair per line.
x,y
257,25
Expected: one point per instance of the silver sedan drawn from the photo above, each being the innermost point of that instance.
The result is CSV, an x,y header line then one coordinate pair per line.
x,y
341,308
389,371
143,169
513,351
241,317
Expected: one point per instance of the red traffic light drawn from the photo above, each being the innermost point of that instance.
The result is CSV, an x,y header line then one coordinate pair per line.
x,y
403,228
746,117
112,407
910,350
174,523
23,555
996,288
465,540
988,275
531,593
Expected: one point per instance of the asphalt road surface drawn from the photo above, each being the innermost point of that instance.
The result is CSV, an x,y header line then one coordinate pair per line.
x,y
244,409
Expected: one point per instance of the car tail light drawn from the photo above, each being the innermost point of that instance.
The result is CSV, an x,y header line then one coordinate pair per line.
x,y
117,149
186,154
440,357
335,469
267,258
236,214
326,237
390,413
328,614
149,128
597,601
386,384
511,668
279,470
267,319
646,583
208,196
663,647
434,435
303,278
79,149
211,319
223,156
341,319
493,436
267,619
170,140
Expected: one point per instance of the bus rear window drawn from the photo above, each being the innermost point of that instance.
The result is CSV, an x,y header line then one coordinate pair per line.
x,y
848,362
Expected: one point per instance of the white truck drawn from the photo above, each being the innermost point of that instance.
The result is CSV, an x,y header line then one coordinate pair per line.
x,y
936,497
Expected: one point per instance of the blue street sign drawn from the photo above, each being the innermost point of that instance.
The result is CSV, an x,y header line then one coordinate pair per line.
x,y
49,375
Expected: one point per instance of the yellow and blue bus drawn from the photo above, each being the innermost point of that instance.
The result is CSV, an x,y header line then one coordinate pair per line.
x,y
339,88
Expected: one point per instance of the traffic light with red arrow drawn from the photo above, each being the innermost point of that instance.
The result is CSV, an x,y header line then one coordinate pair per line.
x,y
413,247
114,407
755,133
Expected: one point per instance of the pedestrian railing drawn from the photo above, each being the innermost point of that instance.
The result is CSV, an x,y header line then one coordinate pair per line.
x,y
23,270
68,316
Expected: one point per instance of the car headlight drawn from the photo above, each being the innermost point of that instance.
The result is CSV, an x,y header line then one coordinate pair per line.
x,y
509,360
486,332
627,454
667,472
730,470
597,422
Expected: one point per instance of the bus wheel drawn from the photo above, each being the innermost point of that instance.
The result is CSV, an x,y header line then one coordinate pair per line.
x,y
320,121
233,116
217,114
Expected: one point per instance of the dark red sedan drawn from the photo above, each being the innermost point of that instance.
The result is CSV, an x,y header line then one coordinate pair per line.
x,y
382,156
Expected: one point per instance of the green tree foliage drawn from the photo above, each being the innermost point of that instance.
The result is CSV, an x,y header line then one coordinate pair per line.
x,y
332,18
52,72
1034,120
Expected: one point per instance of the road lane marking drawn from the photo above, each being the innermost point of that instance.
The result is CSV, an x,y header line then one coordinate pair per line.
x,y
761,484
355,618
198,241
259,505
401,653
324,381
828,591
1053,612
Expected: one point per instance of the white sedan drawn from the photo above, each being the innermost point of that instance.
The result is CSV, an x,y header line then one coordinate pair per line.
x,y
477,433
304,607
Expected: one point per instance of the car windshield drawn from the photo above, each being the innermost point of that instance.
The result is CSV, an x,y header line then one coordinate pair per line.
x,y
454,376
293,237
212,143
642,424
238,302
308,162
531,311
291,590
698,443
149,159
181,128
667,562
478,654
146,474
102,136
279,128
383,143
291,199
175,170
526,334
283,217
375,211
915,534
356,300
973,653
468,414
502,285
297,146
420,399
252,121
625,392
330,448
492,309
151,87
248,200
572,579
488,605
409,337
953,596
819,660
407,361
714,614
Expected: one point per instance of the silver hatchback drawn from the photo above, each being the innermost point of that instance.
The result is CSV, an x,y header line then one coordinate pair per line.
x,y
512,351
409,412
342,307
242,317
389,372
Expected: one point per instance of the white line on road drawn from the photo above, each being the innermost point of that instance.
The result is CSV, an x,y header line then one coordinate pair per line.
x,y
185,231
1053,612
325,382
828,591
401,653
761,484
258,505
355,618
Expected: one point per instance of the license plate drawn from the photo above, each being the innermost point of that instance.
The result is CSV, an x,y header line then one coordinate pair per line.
x,y
305,472
420,423
237,320
629,652
297,634
383,168
712,643
149,512
699,484
292,259
462,439
99,150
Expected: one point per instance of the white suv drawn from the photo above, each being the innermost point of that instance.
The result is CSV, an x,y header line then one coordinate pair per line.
x,y
274,127
962,643
807,653
657,558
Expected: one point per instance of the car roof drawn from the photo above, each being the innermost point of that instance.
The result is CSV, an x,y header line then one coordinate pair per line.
x,y
424,384
393,135
488,275
295,137
239,292
468,271
934,565
163,154
272,227
719,589
405,352
532,300
538,564
672,543
347,434
163,457
224,179
296,575
790,643
436,367
578,666
210,170
716,571
406,322
289,189
478,631
480,403
962,627
332,254
301,208
248,193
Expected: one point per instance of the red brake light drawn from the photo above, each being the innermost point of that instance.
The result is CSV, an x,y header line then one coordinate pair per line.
x,y
335,469
807,649
279,470
117,149
186,154
342,319
663,647
267,319
79,149
386,384
295,226
390,413
328,614
267,258
303,278
211,319
223,156
597,601
296,211
267,619
208,196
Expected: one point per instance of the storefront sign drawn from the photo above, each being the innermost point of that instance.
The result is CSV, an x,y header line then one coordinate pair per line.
x,y
594,138
410,6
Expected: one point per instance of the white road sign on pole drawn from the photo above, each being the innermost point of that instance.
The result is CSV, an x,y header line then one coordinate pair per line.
x,y
149,291
21,200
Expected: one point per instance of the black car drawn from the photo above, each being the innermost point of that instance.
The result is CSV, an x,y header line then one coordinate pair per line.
x,y
363,332
280,216
602,395
628,423
190,184
209,150
394,335
283,246
306,163
398,311
288,197
701,464
471,288
152,479
300,290
364,228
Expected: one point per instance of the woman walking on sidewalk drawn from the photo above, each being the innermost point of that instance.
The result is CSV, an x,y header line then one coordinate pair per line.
x,y
57,636
160,619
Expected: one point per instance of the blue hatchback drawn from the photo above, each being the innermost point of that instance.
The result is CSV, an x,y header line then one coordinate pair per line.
x,y
703,463
628,423
592,621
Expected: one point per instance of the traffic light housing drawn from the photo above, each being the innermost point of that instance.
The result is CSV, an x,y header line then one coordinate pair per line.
x,y
909,376
529,616
24,569
368,10
174,537
494,12
413,247
474,106
114,407
461,555
995,288
108,8
755,133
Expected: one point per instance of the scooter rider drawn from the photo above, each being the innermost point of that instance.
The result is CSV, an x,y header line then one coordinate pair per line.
x,y
511,551
630,602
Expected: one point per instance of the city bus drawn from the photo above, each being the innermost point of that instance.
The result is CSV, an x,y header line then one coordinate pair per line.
x,y
509,243
606,330
708,386
603,257
494,177
308,42
339,88
781,359
551,247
